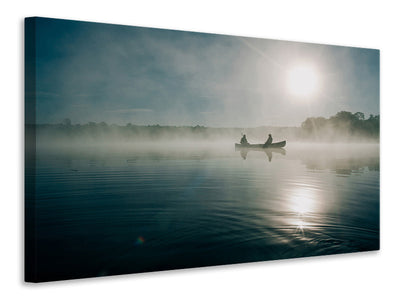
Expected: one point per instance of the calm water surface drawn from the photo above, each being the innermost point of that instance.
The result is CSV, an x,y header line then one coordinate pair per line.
x,y
113,211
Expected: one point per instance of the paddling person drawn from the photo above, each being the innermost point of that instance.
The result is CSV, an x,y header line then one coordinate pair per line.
x,y
269,141
243,140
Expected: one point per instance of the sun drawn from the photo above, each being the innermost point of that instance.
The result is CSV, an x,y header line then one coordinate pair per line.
x,y
302,81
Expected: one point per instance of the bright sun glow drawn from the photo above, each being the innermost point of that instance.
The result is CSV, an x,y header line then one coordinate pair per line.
x,y
302,81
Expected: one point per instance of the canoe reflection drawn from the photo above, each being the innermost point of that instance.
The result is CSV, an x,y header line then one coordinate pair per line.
x,y
268,152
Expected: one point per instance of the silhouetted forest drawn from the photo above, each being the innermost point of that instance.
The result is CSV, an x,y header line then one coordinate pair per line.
x,y
344,126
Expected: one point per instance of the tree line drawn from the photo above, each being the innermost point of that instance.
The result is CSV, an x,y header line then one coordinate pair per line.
x,y
344,126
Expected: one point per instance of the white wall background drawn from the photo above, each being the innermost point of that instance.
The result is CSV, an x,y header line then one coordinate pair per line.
x,y
370,24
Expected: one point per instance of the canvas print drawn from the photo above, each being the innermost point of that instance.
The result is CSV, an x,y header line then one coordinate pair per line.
x,y
150,149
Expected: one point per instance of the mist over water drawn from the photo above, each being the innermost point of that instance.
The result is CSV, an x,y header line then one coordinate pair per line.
x,y
156,206
131,163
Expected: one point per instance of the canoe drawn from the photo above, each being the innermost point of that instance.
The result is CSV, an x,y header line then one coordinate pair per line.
x,y
260,146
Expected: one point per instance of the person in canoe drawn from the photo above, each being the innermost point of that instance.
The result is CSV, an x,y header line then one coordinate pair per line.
x,y
243,140
269,141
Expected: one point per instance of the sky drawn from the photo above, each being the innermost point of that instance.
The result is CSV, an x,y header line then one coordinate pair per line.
x,y
92,72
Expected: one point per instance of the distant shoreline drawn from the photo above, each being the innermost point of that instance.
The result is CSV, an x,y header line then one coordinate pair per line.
x,y
344,126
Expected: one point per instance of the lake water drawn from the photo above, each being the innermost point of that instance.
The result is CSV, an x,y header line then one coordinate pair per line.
x,y
104,211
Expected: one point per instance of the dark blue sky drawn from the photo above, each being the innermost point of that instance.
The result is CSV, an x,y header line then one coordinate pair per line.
x,y
124,74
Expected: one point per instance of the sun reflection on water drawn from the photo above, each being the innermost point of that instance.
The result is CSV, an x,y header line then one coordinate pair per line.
x,y
302,203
